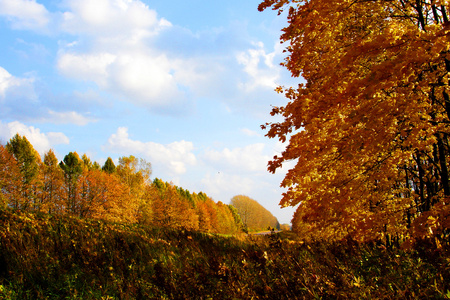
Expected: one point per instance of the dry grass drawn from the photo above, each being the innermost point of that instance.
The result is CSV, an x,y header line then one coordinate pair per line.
x,y
54,257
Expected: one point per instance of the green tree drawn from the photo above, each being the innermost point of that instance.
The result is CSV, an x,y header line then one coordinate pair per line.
x,y
87,162
96,166
29,162
109,166
226,219
72,166
236,217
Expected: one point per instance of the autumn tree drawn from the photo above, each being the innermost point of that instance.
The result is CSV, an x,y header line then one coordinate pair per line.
x,y
118,204
101,195
28,161
10,180
135,173
368,129
207,213
144,209
169,209
205,219
88,164
53,193
236,217
226,219
285,227
78,187
253,215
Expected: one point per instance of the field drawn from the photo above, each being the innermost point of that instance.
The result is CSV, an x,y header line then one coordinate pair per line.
x,y
54,257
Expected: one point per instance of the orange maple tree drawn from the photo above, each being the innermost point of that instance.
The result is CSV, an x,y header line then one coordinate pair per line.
x,y
368,128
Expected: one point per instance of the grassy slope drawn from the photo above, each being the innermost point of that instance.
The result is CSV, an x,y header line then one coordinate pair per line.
x,y
54,257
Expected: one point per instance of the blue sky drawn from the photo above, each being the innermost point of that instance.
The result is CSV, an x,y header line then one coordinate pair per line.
x,y
182,84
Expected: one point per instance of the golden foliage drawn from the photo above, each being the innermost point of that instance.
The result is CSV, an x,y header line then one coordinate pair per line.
x,y
122,194
253,215
369,128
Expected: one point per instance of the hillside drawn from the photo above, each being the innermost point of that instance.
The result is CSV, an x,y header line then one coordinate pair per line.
x,y
46,256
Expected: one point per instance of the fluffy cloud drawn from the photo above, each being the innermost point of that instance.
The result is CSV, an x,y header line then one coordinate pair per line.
x,y
130,52
42,142
119,57
18,97
223,186
143,78
174,156
15,86
93,67
259,66
250,158
19,100
124,19
70,117
25,14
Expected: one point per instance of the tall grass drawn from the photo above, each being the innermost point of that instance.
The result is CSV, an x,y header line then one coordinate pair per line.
x,y
55,257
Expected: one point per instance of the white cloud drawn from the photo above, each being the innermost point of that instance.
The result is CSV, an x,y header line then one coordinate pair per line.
x,y
259,66
224,186
70,117
42,142
111,19
136,56
251,158
21,101
25,14
139,76
57,138
93,67
249,132
145,79
127,50
174,156
15,86
118,56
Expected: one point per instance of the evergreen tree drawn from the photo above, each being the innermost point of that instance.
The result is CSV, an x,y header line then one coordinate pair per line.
x,y
72,166
109,166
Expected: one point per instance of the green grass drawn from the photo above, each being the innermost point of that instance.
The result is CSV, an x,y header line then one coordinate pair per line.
x,y
55,257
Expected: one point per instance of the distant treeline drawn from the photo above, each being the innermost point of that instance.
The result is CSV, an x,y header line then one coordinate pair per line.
x,y
253,215
123,193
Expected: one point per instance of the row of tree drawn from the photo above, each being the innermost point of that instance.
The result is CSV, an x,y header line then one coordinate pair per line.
x,y
369,128
123,193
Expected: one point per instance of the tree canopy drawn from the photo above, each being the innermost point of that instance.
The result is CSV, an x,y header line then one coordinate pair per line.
x,y
253,215
81,188
368,129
